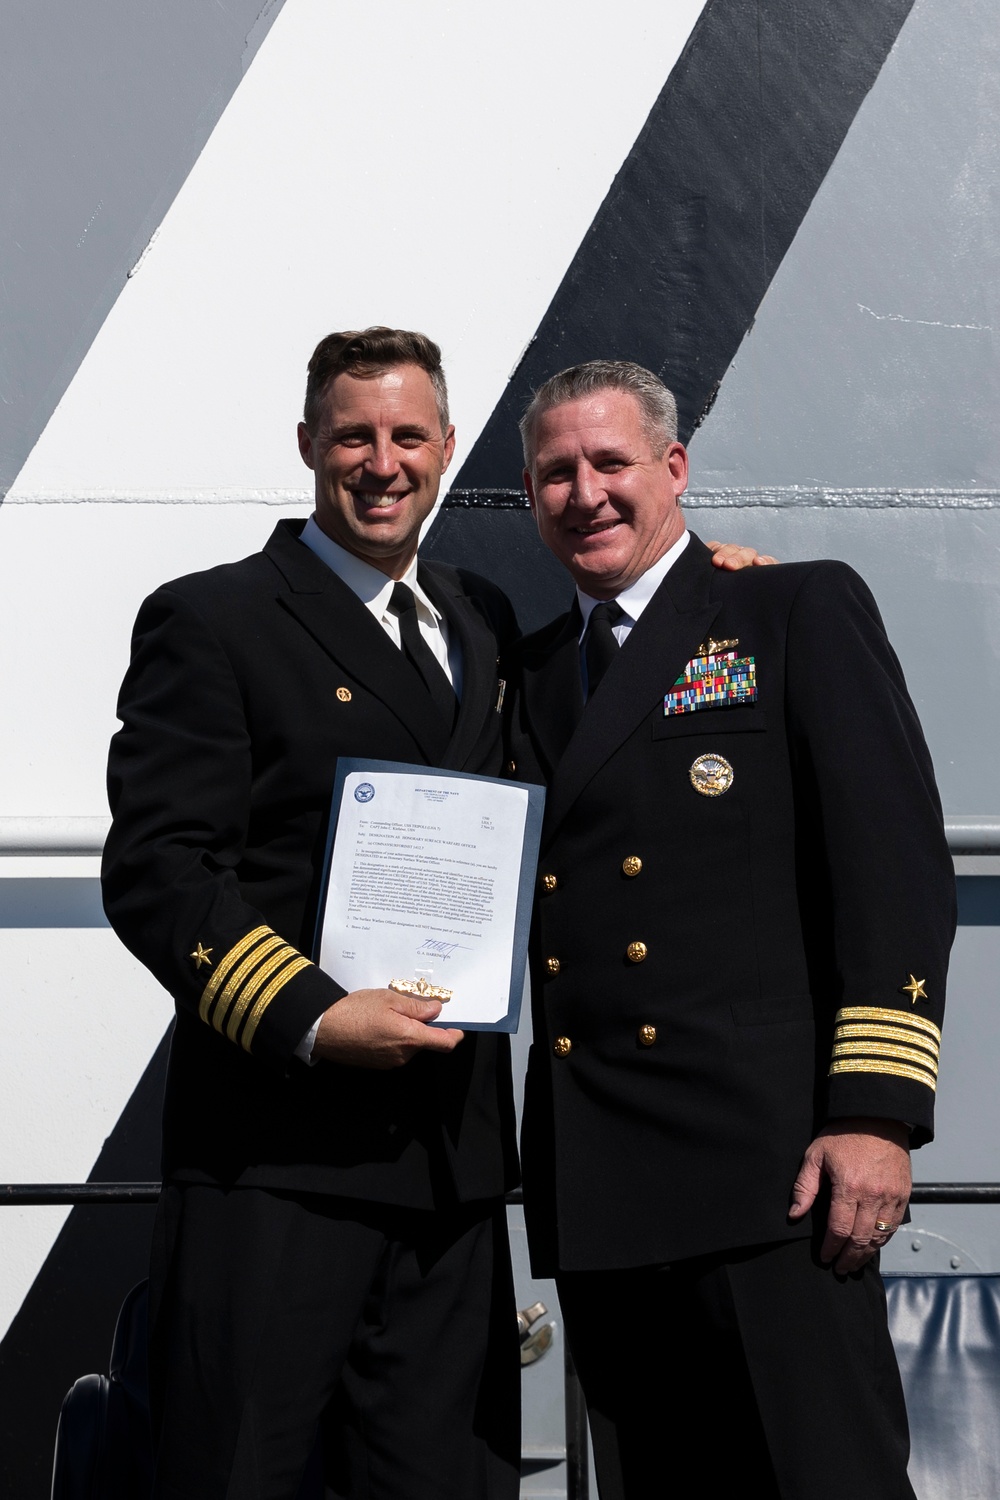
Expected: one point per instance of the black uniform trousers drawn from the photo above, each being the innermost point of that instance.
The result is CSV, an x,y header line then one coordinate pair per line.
x,y
755,1371
387,1330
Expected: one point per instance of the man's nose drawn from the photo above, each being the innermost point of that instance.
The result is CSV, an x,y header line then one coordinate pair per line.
x,y
382,459
588,487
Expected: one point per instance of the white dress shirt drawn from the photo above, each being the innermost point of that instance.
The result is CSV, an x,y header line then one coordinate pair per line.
x,y
374,589
632,600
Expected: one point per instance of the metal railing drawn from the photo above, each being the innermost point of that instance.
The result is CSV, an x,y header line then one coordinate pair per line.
x,y
67,1194
977,834
973,835
955,1192
53,836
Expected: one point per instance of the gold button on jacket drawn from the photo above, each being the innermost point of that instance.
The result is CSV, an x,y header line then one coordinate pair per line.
x,y
562,1046
552,965
636,952
549,882
631,865
647,1036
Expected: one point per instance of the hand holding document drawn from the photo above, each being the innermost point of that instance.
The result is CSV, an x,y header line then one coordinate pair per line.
x,y
381,1029
429,881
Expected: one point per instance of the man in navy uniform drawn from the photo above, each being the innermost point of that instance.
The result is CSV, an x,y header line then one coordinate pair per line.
x,y
745,909
331,1236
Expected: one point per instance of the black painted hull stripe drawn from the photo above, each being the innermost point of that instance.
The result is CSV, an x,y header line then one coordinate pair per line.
x,y
682,251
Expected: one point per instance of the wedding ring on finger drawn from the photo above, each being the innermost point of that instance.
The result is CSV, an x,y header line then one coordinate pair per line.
x,y
883,1228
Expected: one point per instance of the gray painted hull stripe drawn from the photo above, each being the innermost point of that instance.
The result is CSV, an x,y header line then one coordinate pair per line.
x,y
799,497
112,159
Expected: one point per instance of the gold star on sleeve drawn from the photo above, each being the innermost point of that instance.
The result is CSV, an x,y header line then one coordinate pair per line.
x,y
915,989
200,956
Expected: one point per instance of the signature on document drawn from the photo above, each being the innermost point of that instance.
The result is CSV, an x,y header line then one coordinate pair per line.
x,y
439,949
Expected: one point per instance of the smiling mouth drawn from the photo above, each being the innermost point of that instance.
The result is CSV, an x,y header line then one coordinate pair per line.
x,y
376,499
596,528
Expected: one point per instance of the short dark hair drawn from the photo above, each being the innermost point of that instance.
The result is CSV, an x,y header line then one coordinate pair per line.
x,y
656,401
369,352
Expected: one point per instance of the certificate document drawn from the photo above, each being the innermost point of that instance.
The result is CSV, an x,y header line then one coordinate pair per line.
x,y
428,883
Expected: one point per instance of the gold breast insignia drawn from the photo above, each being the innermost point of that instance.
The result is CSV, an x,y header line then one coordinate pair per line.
x,y
710,647
711,775
421,989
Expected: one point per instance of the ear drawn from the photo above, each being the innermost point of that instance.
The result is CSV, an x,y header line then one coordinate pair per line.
x,y
449,448
529,489
305,445
677,462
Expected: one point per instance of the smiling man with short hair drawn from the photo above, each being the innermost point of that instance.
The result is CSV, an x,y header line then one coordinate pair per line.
x,y
331,1246
743,874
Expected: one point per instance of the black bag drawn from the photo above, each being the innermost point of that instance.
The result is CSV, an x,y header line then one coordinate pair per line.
x,y
104,1449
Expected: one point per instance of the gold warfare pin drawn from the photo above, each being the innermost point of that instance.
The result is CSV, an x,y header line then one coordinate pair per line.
x,y
421,989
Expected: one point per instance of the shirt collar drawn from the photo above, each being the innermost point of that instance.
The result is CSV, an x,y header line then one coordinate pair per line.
x,y
372,587
634,599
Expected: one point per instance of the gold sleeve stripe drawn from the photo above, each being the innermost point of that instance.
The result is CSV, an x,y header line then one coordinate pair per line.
x,y
895,1017
890,1034
239,974
867,1065
885,1049
277,983
254,984
224,965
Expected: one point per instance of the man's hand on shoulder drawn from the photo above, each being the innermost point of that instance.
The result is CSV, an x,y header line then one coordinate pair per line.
x,y
381,1029
867,1162
732,557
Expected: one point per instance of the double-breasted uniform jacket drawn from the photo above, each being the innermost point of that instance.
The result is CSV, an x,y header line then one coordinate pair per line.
x,y
715,975
246,683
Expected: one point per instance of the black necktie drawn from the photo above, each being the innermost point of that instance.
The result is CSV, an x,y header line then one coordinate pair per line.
x,y
601,647
420,655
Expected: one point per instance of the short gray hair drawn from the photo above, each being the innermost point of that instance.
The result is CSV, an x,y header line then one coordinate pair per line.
x,y
656,402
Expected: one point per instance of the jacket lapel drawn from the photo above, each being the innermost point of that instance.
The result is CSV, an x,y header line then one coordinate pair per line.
x,y
553,691
479,663
335,617
672,626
